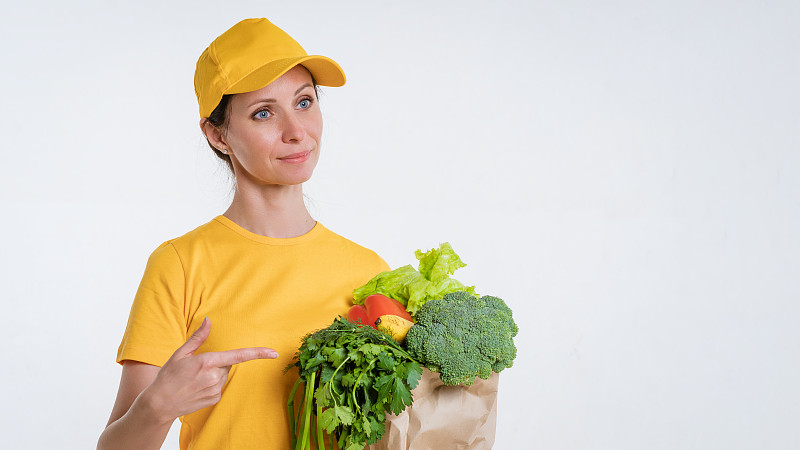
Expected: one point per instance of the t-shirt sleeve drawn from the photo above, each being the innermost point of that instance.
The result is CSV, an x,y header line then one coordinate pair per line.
x,y
382,266
369,265
157,324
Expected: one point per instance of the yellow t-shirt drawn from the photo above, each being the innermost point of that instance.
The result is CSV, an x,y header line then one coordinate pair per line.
x,y
257,291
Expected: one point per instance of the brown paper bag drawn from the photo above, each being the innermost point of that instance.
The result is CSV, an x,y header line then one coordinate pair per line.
x,y
444,417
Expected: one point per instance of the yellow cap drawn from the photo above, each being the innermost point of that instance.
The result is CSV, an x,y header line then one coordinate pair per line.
x,y
250,55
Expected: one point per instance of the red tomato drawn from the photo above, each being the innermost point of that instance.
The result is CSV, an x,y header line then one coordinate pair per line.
x,y
379,304
358,314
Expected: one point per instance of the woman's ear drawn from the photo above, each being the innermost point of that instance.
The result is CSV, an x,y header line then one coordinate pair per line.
x,y
214,135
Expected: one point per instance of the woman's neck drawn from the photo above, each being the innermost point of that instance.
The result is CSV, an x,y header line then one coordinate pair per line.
x,y
274,211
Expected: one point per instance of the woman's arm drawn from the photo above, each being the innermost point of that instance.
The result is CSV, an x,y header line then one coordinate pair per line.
x,y
134,421
150,398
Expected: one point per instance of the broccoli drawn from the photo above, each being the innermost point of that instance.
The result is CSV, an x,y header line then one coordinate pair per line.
x,y
462,336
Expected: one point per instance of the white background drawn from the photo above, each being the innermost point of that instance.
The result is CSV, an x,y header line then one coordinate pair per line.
x,y
625,174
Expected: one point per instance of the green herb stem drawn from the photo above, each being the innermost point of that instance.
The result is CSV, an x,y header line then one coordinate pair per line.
x,y
306,438
355,386
330,382
320,436
313,438
290,407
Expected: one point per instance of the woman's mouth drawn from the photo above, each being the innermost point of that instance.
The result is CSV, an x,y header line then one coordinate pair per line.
x,y
296,158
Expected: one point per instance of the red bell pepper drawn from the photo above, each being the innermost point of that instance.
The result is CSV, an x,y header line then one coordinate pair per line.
x,y
375,306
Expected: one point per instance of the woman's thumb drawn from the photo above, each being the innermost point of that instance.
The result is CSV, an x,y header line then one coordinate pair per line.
x,y
195,340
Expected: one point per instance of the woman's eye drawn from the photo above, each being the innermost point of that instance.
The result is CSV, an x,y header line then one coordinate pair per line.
x,y
263,114
305,103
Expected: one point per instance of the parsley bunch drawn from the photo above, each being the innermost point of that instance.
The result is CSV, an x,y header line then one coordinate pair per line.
x,y
353,376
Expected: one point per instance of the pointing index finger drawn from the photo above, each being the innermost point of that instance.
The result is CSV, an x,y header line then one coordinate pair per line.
x,y
239,355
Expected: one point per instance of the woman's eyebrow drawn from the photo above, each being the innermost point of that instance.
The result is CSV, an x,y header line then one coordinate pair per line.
x,y
272,100
307,85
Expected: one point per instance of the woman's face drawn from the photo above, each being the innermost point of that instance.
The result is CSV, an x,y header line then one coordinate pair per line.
x,y
273,134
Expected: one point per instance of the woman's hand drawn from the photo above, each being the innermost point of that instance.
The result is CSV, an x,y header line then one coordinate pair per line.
x,y
188,382
151,398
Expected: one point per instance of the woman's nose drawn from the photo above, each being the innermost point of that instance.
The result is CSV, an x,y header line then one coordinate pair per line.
x,y
293,129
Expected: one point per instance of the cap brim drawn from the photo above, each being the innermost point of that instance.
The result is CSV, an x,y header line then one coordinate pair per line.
x,y
326,72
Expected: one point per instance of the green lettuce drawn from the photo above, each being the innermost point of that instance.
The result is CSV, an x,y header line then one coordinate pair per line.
x,y
413,287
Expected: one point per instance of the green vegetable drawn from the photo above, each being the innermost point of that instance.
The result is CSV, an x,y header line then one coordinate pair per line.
x,y
462,336
353,376
413,287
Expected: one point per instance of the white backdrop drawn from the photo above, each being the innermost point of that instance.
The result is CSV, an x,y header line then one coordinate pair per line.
x,y
625,174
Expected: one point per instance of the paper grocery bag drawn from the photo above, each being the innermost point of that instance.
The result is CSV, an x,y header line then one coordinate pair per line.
x,y
444,417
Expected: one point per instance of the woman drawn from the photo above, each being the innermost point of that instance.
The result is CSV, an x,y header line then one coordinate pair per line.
x,y
263,273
